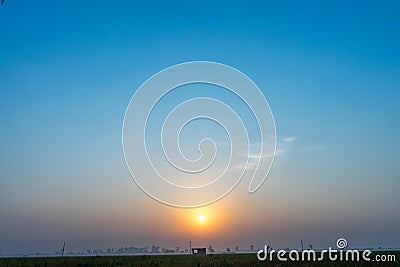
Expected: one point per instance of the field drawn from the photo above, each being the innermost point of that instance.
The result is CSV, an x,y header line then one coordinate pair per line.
x,y
178,260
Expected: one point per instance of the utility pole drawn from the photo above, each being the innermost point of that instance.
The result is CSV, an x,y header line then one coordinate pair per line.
x,y
62,251
301,245
190,247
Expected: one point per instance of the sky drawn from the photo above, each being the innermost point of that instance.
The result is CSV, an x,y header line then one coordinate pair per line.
x,y
331,74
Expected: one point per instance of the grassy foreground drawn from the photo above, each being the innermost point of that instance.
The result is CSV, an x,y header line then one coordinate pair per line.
x,y
217,260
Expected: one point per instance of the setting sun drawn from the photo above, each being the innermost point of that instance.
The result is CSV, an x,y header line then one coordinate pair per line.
x,y
201,218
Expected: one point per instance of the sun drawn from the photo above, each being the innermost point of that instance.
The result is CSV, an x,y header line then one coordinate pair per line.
x,y
201,218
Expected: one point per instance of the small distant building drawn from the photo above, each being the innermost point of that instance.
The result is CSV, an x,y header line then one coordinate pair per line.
x,y
199,251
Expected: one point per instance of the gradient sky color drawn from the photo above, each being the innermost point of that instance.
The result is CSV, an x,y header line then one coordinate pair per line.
x,y
330,71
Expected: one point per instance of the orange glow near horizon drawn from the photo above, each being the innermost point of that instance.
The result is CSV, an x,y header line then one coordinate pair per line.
x,y
200,221
202,225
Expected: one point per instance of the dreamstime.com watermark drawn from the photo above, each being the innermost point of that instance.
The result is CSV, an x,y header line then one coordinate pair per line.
x,y
340,254
152,134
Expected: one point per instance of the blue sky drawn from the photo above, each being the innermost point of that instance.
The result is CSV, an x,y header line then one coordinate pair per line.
x,y
331,74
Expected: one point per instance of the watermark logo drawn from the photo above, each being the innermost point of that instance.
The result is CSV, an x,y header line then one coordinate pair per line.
x,y
341,243
340,254
153,145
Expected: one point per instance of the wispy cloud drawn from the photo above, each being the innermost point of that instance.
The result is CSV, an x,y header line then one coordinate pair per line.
x,y
289,139
282,146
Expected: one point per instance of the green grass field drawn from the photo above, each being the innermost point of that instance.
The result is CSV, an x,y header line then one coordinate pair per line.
x,y
179,260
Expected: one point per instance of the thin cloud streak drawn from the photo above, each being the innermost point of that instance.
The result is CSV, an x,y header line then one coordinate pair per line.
x,y
290,139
